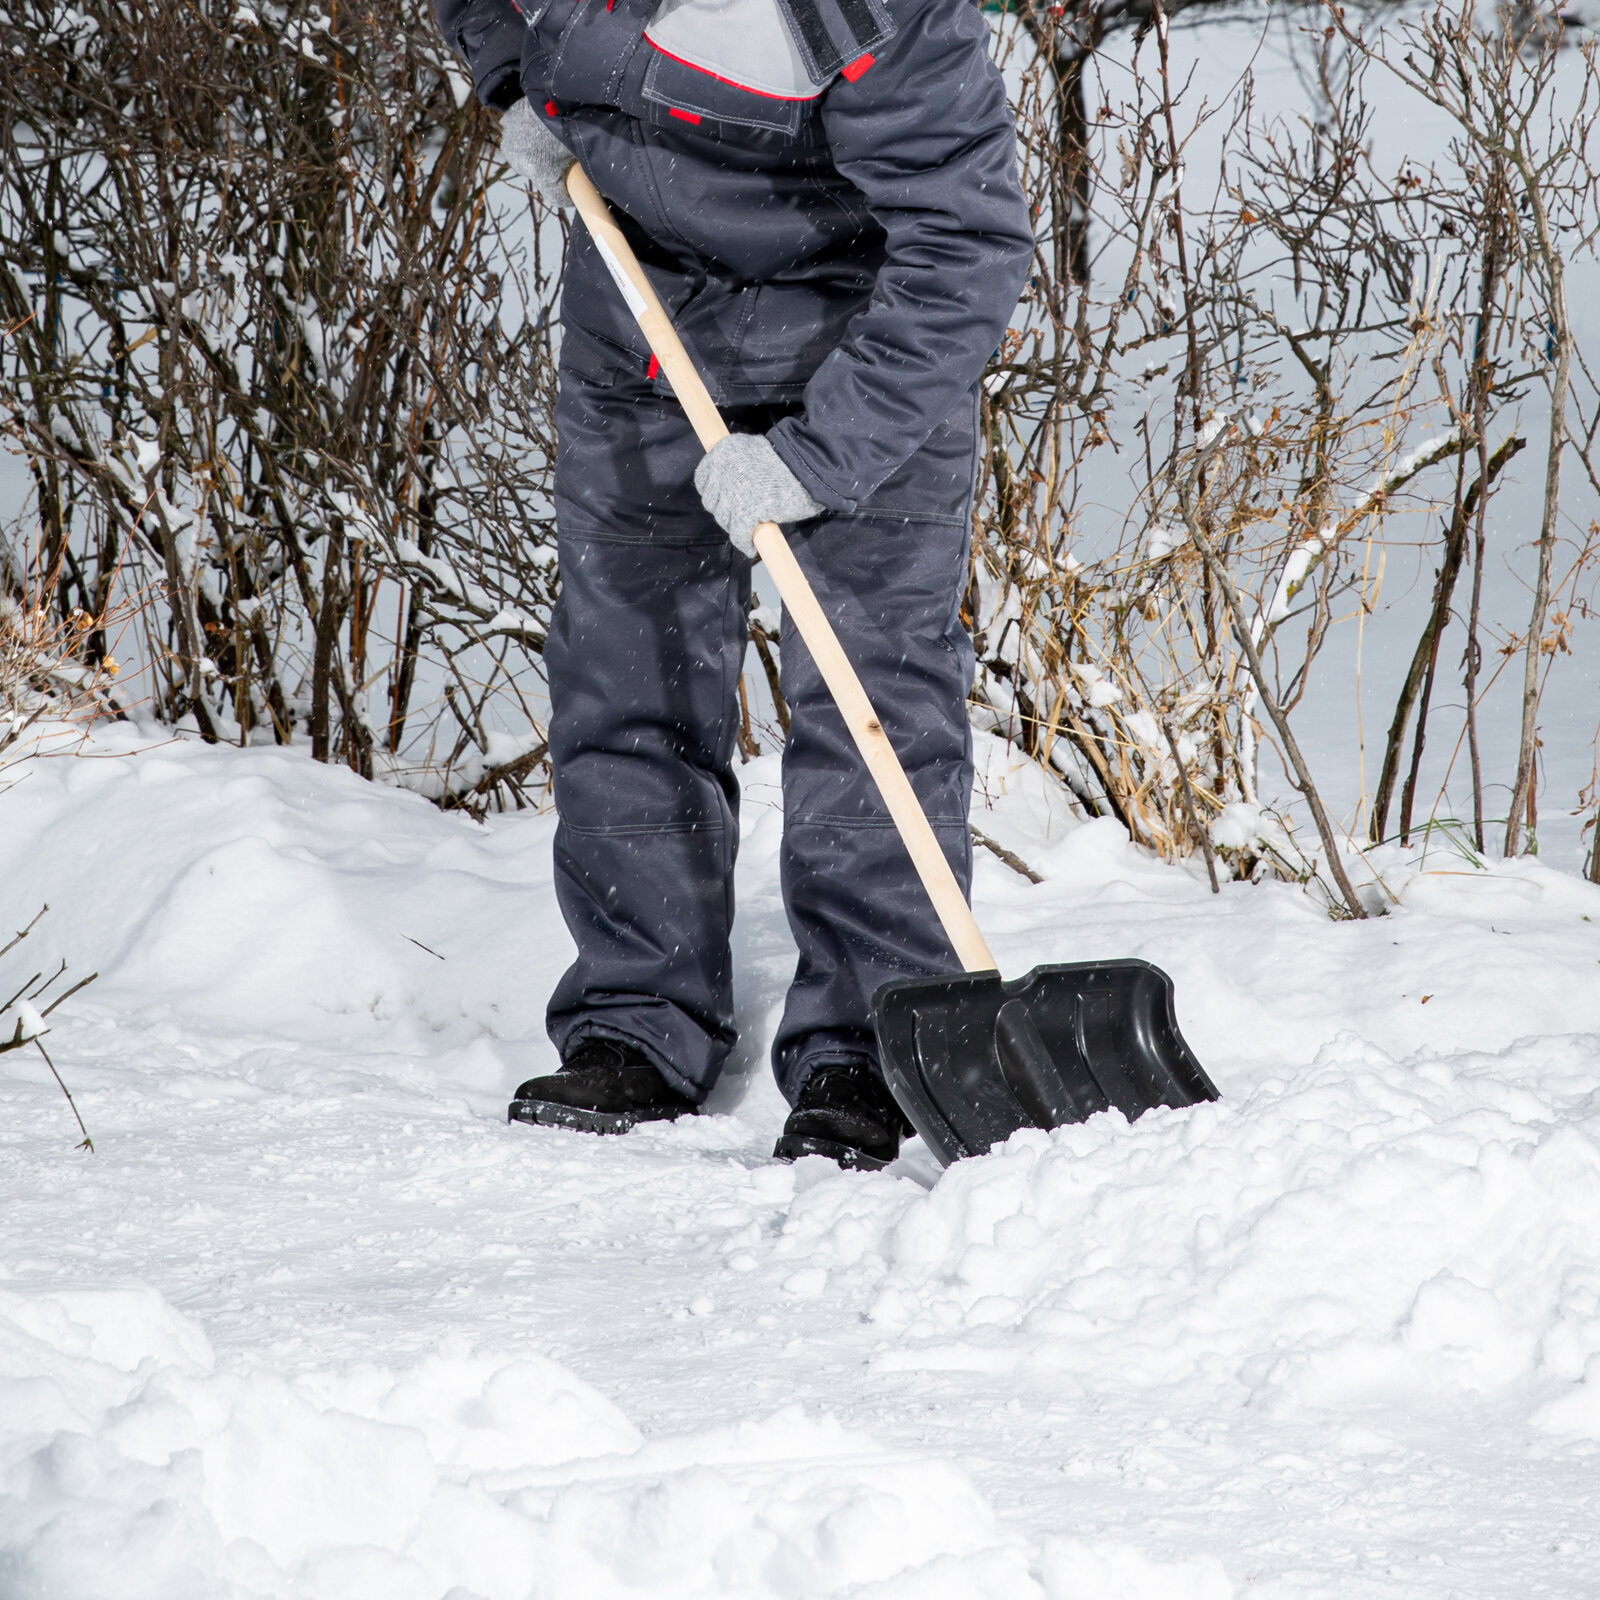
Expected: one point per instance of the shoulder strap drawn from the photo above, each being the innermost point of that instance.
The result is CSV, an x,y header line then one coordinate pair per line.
x,y
831,34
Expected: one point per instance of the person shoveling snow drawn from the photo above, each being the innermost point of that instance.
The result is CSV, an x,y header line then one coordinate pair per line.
x,y
827,199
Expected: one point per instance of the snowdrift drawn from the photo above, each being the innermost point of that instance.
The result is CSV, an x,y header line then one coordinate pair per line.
x,y
314,1322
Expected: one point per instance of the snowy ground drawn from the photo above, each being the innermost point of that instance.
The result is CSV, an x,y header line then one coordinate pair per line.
x,y
313,1321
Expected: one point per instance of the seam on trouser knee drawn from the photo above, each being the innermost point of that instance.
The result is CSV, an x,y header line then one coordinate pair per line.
x,y
576,527
943,519
623,830
651,541
824,819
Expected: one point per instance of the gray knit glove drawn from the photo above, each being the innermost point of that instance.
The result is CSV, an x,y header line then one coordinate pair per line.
x,y
743,482
536,155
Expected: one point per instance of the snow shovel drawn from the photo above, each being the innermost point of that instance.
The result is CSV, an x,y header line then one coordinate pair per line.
x,y
969,1059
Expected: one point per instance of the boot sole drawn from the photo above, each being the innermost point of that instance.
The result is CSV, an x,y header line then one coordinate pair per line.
x,y
552,1114
793,1146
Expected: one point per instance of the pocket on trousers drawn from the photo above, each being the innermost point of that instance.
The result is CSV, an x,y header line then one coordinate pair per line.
x,y
594,358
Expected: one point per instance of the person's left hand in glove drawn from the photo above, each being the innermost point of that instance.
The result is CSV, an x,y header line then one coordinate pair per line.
x,y
743,482
534,153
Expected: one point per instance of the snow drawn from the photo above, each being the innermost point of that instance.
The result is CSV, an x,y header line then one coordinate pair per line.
x,y
1164,538
500,1476
1295,568
29,1021
314,1321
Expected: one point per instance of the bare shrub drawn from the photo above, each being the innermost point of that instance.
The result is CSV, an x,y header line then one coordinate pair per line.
x,y
57,672
273,349
1283,376
23,1015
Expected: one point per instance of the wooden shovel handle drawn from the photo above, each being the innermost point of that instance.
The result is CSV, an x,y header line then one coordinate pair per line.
x,y
796,593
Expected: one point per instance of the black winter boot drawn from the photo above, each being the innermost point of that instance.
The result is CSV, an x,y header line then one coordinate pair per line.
x,y
604,1086
846,1114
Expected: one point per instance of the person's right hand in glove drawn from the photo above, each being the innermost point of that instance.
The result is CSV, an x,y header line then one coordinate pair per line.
x,y
743,482
536,155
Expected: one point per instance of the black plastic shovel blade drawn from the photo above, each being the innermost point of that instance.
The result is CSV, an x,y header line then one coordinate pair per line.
x,y
972,1059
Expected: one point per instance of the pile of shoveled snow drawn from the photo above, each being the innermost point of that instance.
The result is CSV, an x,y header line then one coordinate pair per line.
x,y
1357,1230
131,1467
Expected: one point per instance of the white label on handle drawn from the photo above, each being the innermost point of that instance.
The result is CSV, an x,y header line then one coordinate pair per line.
x,y
629,292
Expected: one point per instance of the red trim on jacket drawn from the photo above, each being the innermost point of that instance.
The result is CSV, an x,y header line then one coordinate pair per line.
x,y
734,82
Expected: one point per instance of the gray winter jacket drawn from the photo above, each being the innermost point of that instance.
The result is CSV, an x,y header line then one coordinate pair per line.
x,y
824,193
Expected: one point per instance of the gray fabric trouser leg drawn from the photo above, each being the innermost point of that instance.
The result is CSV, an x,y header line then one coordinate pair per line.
x,y
644,657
